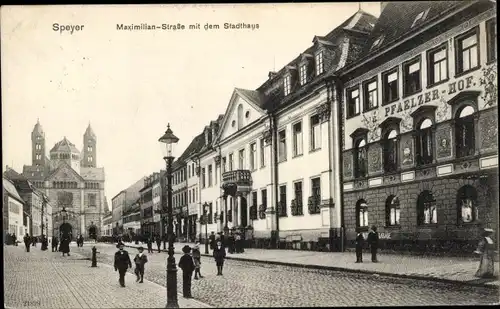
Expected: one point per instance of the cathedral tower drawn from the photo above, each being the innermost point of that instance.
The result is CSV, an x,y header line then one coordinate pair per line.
x,y
89,148
38,146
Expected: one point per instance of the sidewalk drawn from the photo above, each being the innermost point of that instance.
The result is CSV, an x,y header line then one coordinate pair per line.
x,y
44,279
444,269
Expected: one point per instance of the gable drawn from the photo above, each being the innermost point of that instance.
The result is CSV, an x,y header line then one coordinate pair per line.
x,y
65,173
242,111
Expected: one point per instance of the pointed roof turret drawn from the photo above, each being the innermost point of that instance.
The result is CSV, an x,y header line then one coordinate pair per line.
x,y
90,132
38,127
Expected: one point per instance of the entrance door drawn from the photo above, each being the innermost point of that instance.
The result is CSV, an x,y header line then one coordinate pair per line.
x,y
243,215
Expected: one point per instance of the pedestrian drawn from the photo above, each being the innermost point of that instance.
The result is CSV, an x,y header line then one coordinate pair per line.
x,y
360,240
14,239
219,256
212,240
54,243
158,243
150,244
33,241
122,263
230,241
486,249
140,260
187,265
237,242
64,247
373,242
197,261
27,242
45,243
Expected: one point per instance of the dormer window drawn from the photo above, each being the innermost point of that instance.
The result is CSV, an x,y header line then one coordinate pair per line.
x,y
303,74
420,17
319,63
378,41
287,85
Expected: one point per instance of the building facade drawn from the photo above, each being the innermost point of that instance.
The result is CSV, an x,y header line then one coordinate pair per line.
x,y
107,224
193,186
71,181
179,197
420,130
150,218
12,211
132,219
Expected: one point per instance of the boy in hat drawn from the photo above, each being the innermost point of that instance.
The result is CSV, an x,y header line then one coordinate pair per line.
x,y
122,262
140,260
197,261
187,265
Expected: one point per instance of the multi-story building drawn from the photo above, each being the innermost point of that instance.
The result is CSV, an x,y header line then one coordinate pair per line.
x,y
179,198
122,203
150,216
70,179
419,135
193,186
132,219
107,224
12,211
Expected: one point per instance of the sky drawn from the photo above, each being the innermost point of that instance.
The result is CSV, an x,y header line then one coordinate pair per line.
x,y
130,84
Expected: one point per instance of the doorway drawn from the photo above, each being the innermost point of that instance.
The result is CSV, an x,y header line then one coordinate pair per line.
x,y
243,215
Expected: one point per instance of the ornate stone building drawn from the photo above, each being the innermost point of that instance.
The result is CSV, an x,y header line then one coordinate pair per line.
x,y
71,181
420,152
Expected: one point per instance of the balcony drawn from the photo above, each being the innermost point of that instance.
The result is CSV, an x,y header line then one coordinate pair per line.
x,y
237,181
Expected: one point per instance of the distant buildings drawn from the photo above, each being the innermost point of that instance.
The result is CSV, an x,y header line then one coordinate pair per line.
x,y
13,211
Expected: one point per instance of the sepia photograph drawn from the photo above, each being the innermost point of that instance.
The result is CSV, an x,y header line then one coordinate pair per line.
x,y
340,154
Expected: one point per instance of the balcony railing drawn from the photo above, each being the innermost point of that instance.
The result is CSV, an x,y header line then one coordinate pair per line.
x,y
237,177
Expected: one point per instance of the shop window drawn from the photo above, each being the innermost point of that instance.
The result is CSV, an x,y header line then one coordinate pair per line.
x,y
464,132
392,210
426,208
361,214
467,204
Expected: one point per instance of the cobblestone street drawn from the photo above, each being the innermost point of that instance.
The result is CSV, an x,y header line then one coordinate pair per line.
x,y
247,284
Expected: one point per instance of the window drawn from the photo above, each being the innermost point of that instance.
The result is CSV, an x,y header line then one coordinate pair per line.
x,y
303,74
230,161
420,17
464,132
316,187
241,159
393,210
90,159
216,174
210,176
360,159
437,60
223,165
353,107
89,148
282,205
263,206
203,184
466,204
371,97
319,63
467,52
287,85
189,170
491,39
253,156
262,153
297,139
377,42
315,133
390,86
390,151
92,200
361,214
424,142
37,146
426,208
411,77
297,203
282,145
253,208
254,198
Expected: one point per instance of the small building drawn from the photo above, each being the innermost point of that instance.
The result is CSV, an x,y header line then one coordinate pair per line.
x,y
12,211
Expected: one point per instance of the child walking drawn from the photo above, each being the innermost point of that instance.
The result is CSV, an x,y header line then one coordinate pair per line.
x,y
197,261
187,265
140,260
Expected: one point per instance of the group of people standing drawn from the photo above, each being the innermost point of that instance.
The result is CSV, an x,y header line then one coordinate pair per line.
x,y
372,240
33,240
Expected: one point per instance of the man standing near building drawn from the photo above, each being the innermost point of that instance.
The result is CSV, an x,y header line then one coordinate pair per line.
x,y
27,242
122,263
373,242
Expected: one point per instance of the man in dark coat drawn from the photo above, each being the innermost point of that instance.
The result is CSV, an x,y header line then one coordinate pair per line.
x,y
64,247
140,260
219,256
186,263
27,242
45,243
373,242
359,247
122,263
211,239
149,242
158,243
55,242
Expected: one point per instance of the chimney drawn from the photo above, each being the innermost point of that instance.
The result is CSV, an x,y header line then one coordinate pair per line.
x,y
272,74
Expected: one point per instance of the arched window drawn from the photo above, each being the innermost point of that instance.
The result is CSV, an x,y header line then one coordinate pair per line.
x,y
361,214
424,142
467,204
392,210
390,151
240,116
464,132
426,208
360,158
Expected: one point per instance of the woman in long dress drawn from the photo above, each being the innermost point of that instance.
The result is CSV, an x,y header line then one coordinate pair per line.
x,y
487,251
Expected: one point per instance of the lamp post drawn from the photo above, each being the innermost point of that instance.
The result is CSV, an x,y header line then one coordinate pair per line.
x,y
205,218
170,140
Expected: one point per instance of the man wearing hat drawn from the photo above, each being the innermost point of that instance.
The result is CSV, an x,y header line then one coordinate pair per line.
x,y
187,265
122,262
140,260
197,261
486,249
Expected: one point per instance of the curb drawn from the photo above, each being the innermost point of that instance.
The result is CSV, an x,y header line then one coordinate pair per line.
x,y
351,270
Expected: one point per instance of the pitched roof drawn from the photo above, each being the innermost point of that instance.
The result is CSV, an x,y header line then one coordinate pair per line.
x,y
253,96
398,19
90,132
196,145
11,174
11,189
92,173
64,146
38,128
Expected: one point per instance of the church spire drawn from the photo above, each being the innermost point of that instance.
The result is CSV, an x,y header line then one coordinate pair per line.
x,y
89,131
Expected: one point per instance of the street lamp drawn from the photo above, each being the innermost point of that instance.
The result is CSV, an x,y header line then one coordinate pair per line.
x,y
170,140
205,216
